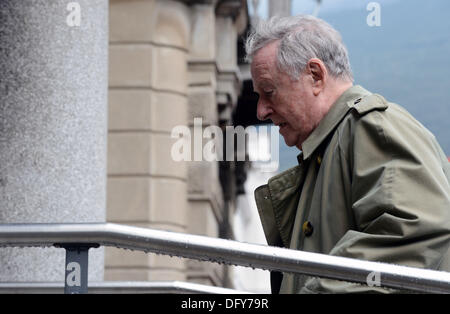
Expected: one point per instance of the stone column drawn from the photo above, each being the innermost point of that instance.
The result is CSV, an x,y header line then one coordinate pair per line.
x,y
53,93
147,98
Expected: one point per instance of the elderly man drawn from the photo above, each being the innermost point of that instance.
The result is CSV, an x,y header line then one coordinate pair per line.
x,y
372,183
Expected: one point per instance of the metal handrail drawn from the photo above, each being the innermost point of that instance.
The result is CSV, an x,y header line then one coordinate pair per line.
x,y
109,287
225,251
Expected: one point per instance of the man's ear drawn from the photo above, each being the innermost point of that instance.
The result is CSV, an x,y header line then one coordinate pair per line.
x,y
318,71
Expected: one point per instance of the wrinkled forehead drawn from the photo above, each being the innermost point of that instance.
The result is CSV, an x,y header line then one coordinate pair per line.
x,y
266,53
264,61
262,69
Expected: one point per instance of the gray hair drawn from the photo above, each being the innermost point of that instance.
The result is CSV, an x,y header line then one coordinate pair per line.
x,y
301,37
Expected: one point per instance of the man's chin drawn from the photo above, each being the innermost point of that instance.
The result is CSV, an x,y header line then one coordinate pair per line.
x,y
291,142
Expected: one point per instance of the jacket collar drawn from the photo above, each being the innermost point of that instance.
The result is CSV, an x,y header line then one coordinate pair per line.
x,y
338,110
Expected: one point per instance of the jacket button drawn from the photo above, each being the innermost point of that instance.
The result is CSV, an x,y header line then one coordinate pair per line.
x,y
307,228
319,160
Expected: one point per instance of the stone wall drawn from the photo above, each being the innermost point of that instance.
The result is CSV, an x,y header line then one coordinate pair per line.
x,y
170,62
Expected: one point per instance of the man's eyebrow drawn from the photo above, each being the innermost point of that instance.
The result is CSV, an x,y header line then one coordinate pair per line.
x,y
264,82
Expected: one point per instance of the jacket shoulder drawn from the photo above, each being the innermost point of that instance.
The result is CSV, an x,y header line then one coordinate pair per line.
x,y
369,103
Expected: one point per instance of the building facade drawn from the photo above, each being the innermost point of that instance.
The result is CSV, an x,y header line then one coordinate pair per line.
x,y
170,62
90,93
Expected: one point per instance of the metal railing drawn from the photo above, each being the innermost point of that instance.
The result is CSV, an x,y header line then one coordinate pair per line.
x,y
113,287
78,238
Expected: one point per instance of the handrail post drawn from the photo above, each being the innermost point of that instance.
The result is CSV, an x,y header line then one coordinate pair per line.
x,y
76,266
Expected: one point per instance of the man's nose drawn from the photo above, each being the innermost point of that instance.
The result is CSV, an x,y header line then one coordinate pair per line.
x,y
263,110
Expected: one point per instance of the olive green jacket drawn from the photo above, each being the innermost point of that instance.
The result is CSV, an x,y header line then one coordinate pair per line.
x,y
372,183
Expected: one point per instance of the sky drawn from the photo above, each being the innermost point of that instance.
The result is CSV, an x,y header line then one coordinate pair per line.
x,y
326,7
333,6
